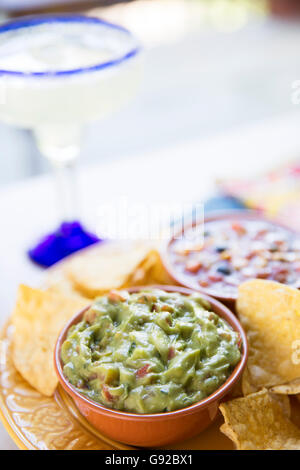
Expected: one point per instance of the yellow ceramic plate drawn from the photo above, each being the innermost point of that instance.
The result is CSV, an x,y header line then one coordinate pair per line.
x,y
37,422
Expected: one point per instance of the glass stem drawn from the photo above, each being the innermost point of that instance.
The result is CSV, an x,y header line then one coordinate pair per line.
x,y
66,190
61,146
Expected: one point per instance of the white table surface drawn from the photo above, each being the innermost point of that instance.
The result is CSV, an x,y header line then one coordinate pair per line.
x,y
186,171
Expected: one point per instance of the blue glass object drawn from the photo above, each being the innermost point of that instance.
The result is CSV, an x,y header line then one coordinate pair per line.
x,y
220,202
68,238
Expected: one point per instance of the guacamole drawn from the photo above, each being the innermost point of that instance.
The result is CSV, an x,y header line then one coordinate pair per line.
x,y
149,352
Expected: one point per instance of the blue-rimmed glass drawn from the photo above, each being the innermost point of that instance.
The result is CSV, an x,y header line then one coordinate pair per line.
x,y
57,103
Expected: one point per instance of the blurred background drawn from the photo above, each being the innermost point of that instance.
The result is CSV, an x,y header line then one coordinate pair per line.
x,y
211,65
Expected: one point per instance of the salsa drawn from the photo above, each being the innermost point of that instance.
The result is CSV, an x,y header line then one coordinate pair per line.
x,y
234,251
150,351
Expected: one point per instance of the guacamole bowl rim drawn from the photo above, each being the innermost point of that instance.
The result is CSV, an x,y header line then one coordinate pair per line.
x,y
217,307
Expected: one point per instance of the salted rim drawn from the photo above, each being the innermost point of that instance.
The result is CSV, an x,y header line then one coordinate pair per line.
x,y
37,20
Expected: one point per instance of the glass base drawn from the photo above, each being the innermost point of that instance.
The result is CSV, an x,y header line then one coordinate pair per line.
x,y
68,238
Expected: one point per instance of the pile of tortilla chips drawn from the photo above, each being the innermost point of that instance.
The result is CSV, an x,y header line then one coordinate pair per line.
x,y
259,417
37,319
39,315
270,315
258,421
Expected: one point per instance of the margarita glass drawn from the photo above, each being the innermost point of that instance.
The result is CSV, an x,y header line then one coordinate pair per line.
x,y
58,73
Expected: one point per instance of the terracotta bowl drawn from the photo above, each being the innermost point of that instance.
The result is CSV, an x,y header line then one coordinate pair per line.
x,y
154,430
186,280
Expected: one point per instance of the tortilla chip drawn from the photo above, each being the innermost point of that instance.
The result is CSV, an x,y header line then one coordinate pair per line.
x,y
258,422
150,271
290,388
246,383
106,266
140,276
57,283
284,402
37,320
115,265
158,274
270,315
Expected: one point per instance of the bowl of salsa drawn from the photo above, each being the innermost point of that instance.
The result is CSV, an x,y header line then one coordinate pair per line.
x,y
230,248
148,366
